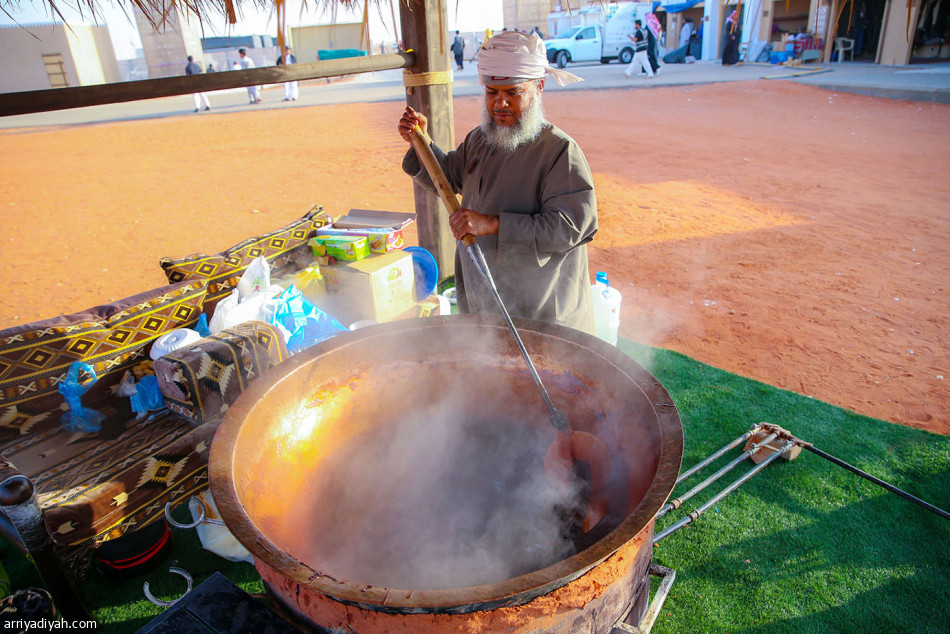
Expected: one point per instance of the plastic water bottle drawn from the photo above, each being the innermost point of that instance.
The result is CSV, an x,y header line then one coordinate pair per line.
x,y
606,309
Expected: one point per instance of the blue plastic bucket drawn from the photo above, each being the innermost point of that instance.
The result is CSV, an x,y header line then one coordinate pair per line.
x,y
426,271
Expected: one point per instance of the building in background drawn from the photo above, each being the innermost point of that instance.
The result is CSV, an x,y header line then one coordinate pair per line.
x,y
874,31
524,15
223,51
890,33
308,41
168,46
50,55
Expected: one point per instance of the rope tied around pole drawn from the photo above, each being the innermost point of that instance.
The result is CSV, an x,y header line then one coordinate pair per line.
x,y
434,78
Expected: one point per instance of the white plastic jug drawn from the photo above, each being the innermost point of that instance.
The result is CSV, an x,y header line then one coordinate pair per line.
x,y
606,309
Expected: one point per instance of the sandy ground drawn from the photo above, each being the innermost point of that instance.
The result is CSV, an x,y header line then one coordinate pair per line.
x,y
782,232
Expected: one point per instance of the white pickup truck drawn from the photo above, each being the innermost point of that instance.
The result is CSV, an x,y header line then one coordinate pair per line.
x,y
599,42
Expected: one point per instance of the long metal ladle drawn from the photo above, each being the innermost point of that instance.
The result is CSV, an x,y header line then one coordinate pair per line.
x,y
421,144
571,447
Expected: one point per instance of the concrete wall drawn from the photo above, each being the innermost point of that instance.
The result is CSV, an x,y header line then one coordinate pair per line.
x,y
106,53
524,15
168,45
88,56
82,45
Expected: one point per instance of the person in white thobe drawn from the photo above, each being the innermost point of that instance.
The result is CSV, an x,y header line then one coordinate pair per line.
x,y
253,92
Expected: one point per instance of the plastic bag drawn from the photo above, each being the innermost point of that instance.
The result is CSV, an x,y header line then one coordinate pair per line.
x,y
202,326
232,310
302,323
145,395
256,278
79,418
216,537
148,395
310,282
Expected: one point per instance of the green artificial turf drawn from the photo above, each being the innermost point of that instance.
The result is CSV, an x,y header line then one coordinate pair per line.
x,y
804,546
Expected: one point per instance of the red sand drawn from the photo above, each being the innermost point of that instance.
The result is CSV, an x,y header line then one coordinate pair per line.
x,y
782,232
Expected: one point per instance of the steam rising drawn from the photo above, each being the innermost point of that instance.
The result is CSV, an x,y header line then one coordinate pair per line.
x,y
441,500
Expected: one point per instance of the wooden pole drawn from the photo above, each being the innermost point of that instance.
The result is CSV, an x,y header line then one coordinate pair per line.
x,y
26,102
423,25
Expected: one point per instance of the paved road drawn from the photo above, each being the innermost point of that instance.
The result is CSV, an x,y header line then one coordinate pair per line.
x,y
926,82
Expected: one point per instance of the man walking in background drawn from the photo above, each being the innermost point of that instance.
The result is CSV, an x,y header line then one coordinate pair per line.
x,y
640,59
253,92
194,68
458,48
291,88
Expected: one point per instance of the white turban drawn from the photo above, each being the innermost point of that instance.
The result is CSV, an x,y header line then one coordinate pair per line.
x,y
512,57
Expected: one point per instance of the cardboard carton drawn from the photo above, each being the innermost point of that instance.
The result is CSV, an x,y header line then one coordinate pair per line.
x,y
379,287
340,247
371,218
381,240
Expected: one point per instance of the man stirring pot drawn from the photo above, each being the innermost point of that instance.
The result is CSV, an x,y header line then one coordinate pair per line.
x,y
527,192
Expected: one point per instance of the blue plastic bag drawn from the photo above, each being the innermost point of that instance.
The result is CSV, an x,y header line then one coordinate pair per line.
x,y
79,418
305,323
147,395
202,326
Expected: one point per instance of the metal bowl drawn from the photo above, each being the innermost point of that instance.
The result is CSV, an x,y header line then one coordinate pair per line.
x,y
269,457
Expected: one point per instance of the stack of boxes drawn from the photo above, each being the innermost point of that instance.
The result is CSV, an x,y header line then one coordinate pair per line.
x,y
367,274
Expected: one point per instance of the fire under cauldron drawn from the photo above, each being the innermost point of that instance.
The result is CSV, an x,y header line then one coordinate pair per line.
x,y
391,479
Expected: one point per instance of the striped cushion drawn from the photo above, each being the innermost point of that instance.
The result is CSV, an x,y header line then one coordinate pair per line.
x,y
223,270
113,338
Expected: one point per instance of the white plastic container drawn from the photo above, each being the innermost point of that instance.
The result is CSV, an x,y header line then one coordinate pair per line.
x,y
606,309
173,340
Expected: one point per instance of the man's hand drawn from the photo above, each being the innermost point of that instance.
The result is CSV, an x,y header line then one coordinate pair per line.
x,y
409,120
470,221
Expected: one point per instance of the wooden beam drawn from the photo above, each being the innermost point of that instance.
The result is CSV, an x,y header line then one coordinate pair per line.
x,y
81,96
424,30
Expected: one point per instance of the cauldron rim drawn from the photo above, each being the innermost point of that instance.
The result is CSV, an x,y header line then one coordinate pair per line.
x,y
513,591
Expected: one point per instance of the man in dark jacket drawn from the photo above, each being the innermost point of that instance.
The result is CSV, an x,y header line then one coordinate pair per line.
x,y
194,68
458,49
291,88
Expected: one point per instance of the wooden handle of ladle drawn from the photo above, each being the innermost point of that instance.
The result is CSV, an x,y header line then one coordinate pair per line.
x,y
420,143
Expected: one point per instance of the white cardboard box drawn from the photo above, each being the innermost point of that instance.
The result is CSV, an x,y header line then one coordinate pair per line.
x,y
379,287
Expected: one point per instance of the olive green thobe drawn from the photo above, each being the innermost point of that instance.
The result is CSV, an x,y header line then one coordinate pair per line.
x,y
543,195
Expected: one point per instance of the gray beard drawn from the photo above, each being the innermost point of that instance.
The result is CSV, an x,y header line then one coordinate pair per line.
x,y
527,129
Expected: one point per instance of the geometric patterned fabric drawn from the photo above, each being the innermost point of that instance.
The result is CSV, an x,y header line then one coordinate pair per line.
x,y
201,380
34,358
92,487
223,271
97,486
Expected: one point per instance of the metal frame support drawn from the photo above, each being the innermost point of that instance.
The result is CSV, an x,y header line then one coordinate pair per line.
x,y
729,489
668,576
677,502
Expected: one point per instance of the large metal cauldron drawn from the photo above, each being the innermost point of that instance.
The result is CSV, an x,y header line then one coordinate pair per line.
x,y
338,398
